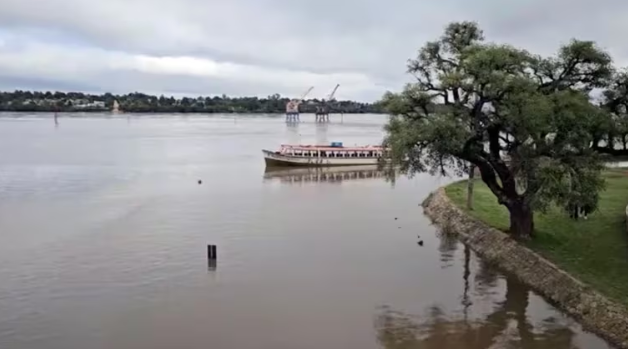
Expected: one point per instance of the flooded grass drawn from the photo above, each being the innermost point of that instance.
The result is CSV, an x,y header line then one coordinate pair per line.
x,y
594,250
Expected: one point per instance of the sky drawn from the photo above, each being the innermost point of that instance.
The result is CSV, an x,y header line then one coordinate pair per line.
x,y
263,47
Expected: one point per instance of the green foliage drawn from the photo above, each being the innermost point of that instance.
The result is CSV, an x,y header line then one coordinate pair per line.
x,y
564,182
611,133
524,120
142,103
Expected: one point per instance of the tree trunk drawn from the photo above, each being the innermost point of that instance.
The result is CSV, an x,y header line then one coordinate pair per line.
x,y
521,220
470,183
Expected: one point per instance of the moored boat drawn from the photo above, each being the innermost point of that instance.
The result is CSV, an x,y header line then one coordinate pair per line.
x,y
334,154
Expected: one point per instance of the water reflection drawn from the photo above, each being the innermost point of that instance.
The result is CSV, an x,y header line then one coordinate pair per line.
x,y
509,324
322,174
321,133
293,135
486,278
505,327
447,248
211,265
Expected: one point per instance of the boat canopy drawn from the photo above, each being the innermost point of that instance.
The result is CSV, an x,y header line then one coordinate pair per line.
x,y
286,147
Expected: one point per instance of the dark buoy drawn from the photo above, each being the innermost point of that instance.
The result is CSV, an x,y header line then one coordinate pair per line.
x,y
200,181
420,242
211,252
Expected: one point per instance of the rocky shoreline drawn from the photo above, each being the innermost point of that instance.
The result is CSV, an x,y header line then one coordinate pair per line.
x,y
596,313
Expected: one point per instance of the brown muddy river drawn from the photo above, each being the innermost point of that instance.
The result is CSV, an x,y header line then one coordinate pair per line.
x,y
104,228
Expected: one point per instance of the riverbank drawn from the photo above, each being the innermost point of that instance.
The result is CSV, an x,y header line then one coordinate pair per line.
x,y
594,251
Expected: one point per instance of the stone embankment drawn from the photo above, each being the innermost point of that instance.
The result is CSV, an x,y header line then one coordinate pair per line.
x,y
596,313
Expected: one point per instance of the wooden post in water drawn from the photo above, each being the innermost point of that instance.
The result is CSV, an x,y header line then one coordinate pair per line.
x,y
211,252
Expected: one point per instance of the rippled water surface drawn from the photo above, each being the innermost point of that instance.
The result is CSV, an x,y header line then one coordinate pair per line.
x,y
104,227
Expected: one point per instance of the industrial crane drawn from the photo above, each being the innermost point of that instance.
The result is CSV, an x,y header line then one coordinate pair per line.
x,y
322,111
306,93
292,107
333,92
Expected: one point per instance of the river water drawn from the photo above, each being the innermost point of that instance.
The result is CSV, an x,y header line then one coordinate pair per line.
x,y
104,228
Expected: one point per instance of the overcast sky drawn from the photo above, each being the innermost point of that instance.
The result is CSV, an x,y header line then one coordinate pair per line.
x,y
261,47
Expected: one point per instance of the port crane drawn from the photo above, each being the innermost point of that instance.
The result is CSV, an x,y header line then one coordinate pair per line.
x,y
322,111
292,107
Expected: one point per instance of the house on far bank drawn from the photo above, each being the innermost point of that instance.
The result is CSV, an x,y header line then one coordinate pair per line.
x,y
89,105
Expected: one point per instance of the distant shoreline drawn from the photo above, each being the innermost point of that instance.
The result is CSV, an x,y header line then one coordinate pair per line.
x,y
171,112
36,101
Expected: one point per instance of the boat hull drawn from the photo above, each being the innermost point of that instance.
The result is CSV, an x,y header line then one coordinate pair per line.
x,y
281,160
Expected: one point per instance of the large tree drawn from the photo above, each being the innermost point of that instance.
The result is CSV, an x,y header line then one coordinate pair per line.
x,y
523,120
610,133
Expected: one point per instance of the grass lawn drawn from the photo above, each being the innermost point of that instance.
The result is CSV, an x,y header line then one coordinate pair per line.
x,y
594,250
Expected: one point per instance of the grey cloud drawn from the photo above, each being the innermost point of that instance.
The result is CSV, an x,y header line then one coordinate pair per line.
x,y
323,38
10,83
125,82
366,36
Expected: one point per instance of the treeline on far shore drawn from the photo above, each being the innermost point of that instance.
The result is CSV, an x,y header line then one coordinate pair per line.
x,y
36,101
